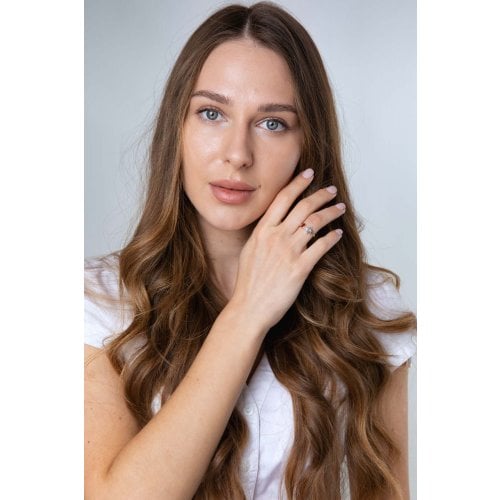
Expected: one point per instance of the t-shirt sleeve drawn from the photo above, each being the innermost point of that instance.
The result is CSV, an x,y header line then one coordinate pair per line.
x,y
386,302
103,315
98,323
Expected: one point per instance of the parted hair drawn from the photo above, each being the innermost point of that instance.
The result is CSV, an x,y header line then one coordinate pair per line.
x,y
324,350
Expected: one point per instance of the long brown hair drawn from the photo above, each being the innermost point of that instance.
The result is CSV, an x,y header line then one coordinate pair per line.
x,y
323,351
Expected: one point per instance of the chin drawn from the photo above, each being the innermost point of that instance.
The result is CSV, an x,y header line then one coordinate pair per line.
x,y
230,226
225,223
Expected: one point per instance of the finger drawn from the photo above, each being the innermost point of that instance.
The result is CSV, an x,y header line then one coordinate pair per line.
x,y
307,206
316,221
320,247
284,199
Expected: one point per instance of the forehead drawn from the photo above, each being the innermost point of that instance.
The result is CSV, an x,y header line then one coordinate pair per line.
x,y
245,69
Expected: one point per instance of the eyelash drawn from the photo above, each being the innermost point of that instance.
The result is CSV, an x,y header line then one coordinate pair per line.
x,y
277,120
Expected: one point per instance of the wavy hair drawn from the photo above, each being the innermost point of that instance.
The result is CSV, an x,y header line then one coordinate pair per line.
x,y
323,351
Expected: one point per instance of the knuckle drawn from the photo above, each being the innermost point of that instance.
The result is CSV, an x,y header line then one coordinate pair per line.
x,y
307,204
284,197
331,213
315,220
269,239
261,236
274,238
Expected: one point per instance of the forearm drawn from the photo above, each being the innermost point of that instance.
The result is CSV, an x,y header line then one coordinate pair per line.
x,y
169,456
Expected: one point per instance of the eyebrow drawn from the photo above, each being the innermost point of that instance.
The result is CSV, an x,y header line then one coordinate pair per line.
x,y
266,108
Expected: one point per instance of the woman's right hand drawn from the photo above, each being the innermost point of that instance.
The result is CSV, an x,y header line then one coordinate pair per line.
x,y
275,261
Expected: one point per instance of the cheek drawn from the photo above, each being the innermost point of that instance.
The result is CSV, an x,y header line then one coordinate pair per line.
x,y
195,154
285,164
275,184
200,142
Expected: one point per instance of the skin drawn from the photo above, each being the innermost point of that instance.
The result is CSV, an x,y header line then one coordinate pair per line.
x,y
394,412
235,140
261,259
238,143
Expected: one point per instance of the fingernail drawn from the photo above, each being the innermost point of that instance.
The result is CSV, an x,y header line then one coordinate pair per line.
x,y
339,231
307,174
331,189
340,206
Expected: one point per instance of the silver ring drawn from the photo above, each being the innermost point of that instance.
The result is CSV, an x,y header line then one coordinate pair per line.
x,y
308,229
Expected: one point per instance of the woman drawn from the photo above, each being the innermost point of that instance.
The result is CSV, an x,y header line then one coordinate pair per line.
x,y
250,351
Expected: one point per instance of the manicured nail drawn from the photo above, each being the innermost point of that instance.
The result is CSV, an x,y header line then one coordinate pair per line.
x,y
307,174
331,189
340,206
339,231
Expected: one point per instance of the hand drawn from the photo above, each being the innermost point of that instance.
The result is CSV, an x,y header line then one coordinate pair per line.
x,y
275,261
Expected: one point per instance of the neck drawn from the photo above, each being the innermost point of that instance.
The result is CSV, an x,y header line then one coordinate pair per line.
x,y
223,248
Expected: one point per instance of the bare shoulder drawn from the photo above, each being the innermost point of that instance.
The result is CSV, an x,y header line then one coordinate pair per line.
x,y
397,385
109,424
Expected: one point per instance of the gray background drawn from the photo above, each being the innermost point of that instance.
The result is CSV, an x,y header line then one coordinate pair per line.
x,y
369,49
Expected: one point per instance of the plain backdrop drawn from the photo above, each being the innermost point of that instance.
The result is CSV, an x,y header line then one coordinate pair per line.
x,y
369,50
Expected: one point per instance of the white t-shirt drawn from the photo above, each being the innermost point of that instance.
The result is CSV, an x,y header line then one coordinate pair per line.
x,y
265,403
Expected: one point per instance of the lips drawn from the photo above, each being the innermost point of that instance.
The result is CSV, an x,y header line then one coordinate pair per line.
x,y
231,192
234,185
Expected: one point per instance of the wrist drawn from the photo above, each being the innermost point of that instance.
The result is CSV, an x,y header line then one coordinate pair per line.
x,y
252,324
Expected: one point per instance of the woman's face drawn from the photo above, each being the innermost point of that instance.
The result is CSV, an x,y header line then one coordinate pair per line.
x,y
241,137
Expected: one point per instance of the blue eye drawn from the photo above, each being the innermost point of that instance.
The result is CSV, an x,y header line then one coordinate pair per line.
x,y
275,125
210,114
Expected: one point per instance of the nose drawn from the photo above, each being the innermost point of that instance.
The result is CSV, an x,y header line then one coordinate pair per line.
x,y
238,149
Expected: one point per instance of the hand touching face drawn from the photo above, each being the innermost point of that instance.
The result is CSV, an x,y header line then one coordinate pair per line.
x,y
241,137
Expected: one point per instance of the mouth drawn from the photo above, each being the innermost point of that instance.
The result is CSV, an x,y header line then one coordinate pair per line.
x,y
231,192
233,185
